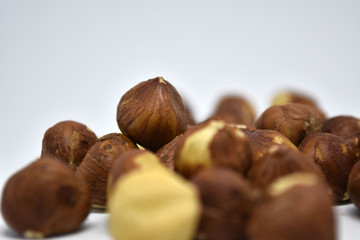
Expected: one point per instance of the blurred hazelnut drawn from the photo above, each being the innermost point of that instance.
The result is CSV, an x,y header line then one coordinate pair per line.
x,y
261,140
153,204
227,202
152,113
294,120
347,127
45,198
299,207
354,185
68,141
166,153
97,163
212,143
235,109
334,156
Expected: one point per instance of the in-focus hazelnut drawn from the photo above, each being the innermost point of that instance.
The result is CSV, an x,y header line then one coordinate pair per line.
x,y
152,113
154,204
45,198
227,202
334,156
235,109
354,185
212,143
69,141
294,120
298,207
97,163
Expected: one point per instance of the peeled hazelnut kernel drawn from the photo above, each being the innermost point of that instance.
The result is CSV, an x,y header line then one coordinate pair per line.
x,y
347,127
261,140
235,109
152,113
152,205
294,120
212,143
97,163
68,141
334,156
45,198
166,153
277,162
354,185
298,207
227,203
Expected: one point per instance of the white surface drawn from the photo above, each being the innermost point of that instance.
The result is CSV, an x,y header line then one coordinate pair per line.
x,y
74,59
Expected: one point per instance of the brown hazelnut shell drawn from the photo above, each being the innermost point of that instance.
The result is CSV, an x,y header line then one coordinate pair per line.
x,y
45,198
166,153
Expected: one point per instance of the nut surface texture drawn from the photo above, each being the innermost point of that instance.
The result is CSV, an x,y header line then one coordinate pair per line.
x,y
45,198
69,141
152,113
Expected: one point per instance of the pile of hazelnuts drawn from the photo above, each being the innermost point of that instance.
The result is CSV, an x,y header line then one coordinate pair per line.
x,y
234,175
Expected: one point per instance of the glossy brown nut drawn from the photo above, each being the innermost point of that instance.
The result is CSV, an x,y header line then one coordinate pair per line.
x,y
261,140
69,141
235,109
334,156
166,153
97,163
277,162
298,207
347,127
152,113
294,120
354,185
212,143
45,198
227,202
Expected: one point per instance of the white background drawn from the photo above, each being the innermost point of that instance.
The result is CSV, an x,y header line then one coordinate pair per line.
x,y
63,60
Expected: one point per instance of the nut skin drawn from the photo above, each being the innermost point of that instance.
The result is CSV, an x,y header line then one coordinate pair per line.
x,y
45,198
212,143
335,157
261,140
152,113
294,120
277,162
166,153
354,185
68,141
300,210
227,203
347,127
235,109
97,163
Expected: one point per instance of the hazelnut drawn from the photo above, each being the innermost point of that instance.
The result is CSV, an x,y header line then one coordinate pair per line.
x,y
294,120
212,143
166,153
334,156
354,185
45,198
298,207
227,202
261,140
277,162
69,141
97,163
235,109
152,113
347,127
153,204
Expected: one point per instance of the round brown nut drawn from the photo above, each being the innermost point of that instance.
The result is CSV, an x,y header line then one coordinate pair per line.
x,y
294,120
227,203
45,198
354,185
235,109
166,153
97,163
68,141
298,207
347,127
152,113
212,143
335,157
